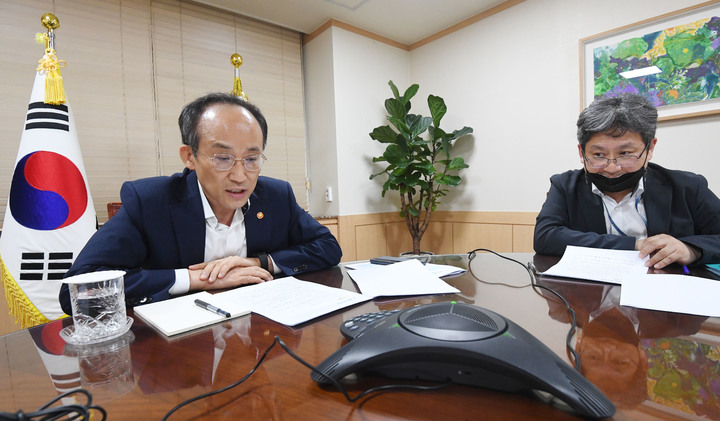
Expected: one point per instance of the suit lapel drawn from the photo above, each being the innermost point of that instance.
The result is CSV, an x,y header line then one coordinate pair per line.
x,y
592,210
188,221
658,204
256,222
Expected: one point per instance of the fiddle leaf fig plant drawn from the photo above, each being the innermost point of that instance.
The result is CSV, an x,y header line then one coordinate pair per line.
x,y
419,165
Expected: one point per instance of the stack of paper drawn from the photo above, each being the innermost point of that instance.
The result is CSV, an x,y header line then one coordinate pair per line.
x,y
435,269
666,292
600,265
289,301
403,278
675,293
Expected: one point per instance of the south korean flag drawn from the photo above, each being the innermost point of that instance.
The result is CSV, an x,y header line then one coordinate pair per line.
x,y
49,215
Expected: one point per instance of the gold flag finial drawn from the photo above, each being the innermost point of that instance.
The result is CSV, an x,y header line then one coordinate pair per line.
x,y
54,89
50,21
237,61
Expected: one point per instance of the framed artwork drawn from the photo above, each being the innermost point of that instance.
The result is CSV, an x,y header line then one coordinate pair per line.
x,y
673,59
682,360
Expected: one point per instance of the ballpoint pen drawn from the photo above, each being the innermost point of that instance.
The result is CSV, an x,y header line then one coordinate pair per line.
x,y
210,307
686,271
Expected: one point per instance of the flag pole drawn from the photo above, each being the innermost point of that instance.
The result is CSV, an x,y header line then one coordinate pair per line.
x,y
54,89
237,61
51,22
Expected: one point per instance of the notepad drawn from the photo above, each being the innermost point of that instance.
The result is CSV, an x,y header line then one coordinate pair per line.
x,y
181,314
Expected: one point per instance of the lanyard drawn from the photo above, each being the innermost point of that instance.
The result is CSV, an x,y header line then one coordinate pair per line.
x,y
637,200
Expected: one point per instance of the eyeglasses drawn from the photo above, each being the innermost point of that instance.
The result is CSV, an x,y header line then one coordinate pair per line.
x,y
623,161
225,161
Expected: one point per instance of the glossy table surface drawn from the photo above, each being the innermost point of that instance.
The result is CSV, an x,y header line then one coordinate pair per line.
x,y
651,364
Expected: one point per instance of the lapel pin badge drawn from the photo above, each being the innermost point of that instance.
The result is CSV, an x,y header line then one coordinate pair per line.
x,y
260,215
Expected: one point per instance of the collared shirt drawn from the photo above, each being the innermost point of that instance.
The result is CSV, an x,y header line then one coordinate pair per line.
x,y
220,241
628,215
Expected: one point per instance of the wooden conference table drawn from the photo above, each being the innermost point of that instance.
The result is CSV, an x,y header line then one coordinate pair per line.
x,y
652,365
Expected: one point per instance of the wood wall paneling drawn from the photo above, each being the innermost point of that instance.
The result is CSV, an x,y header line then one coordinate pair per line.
x,y
470,236
523,238
364,236
371,241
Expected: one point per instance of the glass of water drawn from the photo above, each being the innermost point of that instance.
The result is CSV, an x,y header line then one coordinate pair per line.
x,y
98,307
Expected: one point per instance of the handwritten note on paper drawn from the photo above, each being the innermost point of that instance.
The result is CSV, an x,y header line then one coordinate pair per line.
x,y
675,293
600,265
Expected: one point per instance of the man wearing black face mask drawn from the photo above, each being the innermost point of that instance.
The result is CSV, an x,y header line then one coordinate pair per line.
x,y
619,200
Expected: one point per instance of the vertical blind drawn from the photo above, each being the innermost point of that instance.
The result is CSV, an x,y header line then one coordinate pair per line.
x,y
132,66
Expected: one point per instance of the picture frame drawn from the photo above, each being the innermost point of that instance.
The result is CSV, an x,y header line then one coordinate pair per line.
x,y
675,356
687,96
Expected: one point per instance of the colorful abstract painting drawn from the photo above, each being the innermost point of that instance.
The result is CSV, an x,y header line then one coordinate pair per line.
x,y
684,375
686,60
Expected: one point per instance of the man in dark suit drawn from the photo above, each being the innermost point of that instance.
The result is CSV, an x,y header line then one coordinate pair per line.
x,y
218,224
620,200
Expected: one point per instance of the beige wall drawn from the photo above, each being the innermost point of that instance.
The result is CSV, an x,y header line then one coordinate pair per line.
x,y
513,77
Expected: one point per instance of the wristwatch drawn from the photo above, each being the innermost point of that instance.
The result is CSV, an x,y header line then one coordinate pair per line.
x,y
263,261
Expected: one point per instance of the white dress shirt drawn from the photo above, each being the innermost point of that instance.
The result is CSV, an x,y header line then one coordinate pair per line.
x,y
220,241
628,215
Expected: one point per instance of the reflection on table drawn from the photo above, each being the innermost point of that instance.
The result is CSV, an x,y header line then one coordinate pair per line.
x,y
651,364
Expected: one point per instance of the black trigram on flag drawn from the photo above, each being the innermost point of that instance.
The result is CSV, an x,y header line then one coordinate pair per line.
x,y
47,116
35,267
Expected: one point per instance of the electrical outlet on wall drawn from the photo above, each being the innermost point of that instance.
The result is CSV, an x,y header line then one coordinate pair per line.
x,y
328,194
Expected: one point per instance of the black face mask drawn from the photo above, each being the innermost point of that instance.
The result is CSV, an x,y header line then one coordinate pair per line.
x,y
618,184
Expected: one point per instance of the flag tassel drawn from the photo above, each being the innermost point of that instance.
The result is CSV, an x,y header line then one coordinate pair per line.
x,y
237,89
21,309
50,65
54,89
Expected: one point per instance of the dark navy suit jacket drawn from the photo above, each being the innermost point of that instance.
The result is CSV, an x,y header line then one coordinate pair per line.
x,y
161,227
677,203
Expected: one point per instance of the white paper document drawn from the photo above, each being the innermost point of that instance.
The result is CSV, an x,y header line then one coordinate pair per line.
x,y
675,293
444,270
600,265
403,278
435,269
291,301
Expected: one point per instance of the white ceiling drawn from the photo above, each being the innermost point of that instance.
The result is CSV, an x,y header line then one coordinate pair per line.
x,y
404,21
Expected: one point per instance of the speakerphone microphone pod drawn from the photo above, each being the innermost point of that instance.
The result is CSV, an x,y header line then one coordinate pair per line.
x,y
467,345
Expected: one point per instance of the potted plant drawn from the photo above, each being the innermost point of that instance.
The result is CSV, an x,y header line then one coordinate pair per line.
x,y
420,169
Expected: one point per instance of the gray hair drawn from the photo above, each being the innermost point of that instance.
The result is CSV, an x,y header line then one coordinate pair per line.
x,y
614,116
190,116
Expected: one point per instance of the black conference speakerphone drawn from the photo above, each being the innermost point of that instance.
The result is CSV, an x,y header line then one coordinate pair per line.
x,y
464,344
352,328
